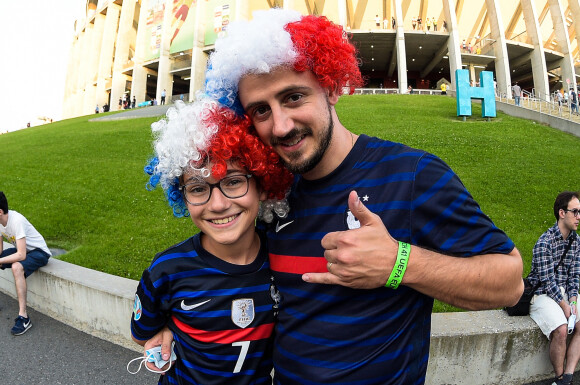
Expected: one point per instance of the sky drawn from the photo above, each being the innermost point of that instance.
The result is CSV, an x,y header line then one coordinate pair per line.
x,y
35,45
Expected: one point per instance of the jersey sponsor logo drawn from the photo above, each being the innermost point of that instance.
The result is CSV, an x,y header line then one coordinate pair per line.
x,y
281,226
137,308
243,312
191,307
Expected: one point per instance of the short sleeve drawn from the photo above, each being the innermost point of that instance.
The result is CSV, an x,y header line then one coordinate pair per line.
x,y
445,216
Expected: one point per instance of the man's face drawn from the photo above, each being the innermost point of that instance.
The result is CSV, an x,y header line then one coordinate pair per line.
x,y
292,113
570,220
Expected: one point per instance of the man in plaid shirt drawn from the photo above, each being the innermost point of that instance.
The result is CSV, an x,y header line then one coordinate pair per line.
x,y
554,302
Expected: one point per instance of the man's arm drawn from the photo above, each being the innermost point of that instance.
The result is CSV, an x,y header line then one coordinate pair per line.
x,y
364,258
20,254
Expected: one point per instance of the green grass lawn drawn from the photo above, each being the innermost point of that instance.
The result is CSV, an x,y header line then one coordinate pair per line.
x,y
82,183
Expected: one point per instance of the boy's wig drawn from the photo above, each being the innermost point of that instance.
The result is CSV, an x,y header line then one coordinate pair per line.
x,y
196,136
275,38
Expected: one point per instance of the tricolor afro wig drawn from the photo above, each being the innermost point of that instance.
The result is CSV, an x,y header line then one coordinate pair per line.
x,y
203,134
275,38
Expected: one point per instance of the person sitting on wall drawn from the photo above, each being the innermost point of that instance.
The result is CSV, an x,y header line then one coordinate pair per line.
x,y
556,267
29,253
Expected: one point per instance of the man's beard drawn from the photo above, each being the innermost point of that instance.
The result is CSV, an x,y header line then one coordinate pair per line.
x,y
323,141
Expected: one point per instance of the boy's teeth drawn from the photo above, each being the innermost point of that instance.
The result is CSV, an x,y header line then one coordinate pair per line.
x,y
224,220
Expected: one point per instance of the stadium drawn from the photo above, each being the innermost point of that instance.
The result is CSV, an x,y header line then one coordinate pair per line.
x,y
144,50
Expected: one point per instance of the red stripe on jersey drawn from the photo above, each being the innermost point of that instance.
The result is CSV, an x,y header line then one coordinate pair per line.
x,y
226,336
297,265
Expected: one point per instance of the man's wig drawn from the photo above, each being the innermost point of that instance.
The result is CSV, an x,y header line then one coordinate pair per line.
x,y
275,38
203,134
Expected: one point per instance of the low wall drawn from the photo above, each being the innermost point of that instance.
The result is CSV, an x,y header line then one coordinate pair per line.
x,y
561,124
96,303
486,347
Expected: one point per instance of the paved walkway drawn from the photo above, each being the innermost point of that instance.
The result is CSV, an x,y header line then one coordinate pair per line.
x,y
51,353
143,112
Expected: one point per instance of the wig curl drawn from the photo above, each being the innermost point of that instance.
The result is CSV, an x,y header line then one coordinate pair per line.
x,y
203,134
277,38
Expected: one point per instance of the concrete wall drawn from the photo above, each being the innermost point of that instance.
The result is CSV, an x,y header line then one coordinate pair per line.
x,y
472,348
93,302
561,124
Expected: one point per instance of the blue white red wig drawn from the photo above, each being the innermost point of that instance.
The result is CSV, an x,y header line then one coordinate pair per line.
x,y
204,136
276,38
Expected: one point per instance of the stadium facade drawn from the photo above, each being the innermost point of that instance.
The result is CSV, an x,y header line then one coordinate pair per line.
x,y
136,49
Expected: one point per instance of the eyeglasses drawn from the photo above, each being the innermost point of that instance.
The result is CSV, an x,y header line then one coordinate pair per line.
x,y
575,212
199,193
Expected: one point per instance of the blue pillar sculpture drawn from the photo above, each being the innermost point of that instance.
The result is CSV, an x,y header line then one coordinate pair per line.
x,y
485,92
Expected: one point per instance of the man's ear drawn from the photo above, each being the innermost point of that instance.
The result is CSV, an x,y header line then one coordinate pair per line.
x,y
561,213
333,95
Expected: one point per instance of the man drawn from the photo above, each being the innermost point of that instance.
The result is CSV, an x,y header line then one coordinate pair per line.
x,y
517,92
574,101
29,254
163,94
556,266
331,246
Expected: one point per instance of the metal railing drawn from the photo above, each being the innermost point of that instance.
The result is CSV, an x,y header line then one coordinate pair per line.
x,y
373,91
382,91
534,100
550,104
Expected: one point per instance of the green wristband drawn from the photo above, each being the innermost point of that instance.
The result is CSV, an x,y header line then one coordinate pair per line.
x,y
573,303
400,266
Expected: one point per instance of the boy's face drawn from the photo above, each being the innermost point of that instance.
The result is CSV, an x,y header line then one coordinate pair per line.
x,y
225,221
292,113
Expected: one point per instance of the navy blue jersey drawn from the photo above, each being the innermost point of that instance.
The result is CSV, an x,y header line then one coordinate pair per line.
x,y
222,315
333,334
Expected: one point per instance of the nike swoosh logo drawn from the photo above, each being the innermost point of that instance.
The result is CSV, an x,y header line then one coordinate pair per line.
x,y
191,307
280,227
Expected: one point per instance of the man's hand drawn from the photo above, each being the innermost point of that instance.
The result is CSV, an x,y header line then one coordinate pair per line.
x,y
163,338
361,258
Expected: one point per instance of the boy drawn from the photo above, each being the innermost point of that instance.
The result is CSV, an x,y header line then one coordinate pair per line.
x,y
214,290
29,253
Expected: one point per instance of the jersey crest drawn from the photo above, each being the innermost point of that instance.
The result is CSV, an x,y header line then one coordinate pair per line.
x,y
243,312
351,221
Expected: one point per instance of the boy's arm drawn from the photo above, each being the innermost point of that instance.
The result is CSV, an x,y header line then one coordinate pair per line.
x,y
20,254
164,338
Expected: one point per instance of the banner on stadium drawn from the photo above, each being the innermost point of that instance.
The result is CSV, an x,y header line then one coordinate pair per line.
x,y
219,14
154,29
182,27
